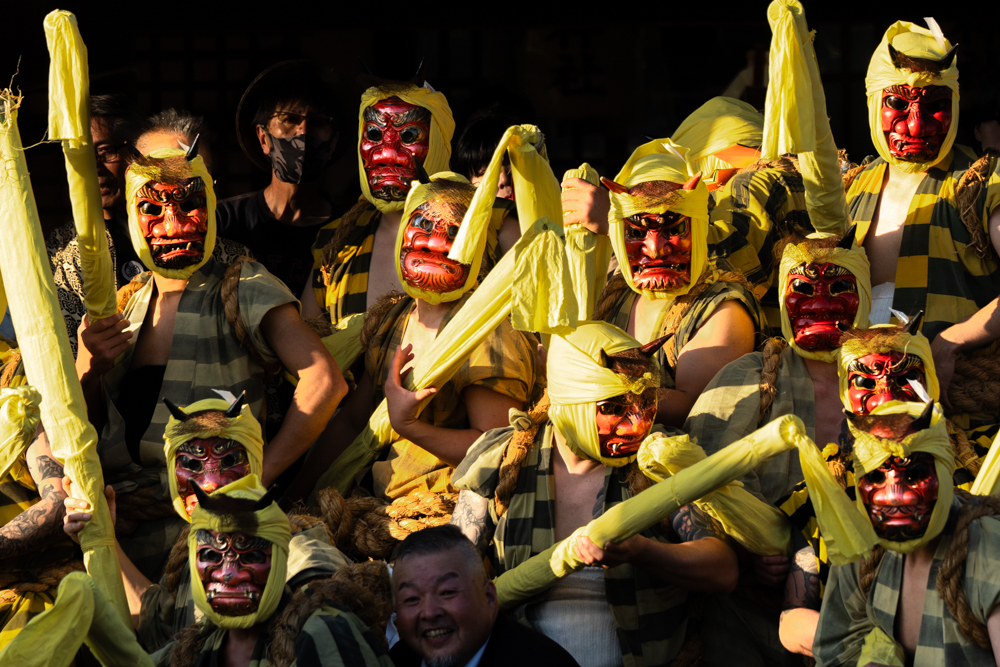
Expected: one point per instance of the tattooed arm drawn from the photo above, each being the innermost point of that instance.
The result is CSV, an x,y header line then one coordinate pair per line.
x,y
702,562
41,524
802,600
473,517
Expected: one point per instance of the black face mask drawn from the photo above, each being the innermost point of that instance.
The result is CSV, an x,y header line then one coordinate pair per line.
x,y
299,159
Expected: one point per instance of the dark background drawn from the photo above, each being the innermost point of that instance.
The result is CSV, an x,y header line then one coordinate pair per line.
x,y
596,83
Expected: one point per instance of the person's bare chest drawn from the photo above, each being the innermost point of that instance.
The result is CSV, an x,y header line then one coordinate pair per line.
x,y
382,275
910,611
152,348
576,498
883,240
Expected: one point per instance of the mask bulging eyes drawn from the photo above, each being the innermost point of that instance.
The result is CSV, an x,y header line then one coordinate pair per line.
x,y
373,134
912,374
802,287
861,382
410,135
875,477
193,204
896,103
210,556
253,557
634,233
916,473
452,231
842,287
188,463
612,409
423,223
149,208
233,459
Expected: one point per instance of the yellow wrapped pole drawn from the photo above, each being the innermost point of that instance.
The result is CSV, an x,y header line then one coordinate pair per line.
x,y
69,122
48,361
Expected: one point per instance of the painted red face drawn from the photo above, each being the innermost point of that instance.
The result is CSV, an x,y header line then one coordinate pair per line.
x,y
881,377
819,296
659,250
423,257
173,218
233,568
623,422
900,496
395,135
211,463
916,121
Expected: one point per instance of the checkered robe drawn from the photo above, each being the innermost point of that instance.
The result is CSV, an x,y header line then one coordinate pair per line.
x,y
204,355
650,616
331,635
847,615
349,272
752,212
504,362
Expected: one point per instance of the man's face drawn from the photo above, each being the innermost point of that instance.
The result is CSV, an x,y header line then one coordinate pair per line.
x,y
900,496
819,296
659,250
395,135
173,218
444,611
623,422
423,256
294,118
111,166
211,464
915,121
233,568
881,377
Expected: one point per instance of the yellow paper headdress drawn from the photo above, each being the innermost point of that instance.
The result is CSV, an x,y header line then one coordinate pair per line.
x,y
207,419
271,525
581,379
912,41
167,165
886,338
660,160
722,134
871,451
439,144
810,252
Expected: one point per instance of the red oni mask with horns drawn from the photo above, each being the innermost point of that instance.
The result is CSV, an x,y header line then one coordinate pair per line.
x,y
396,134
916,121
173,218
900,496
233,568
624,421
428,236
658,245
211,464
881,377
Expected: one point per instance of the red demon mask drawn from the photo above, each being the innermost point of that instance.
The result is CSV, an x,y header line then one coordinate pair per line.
x,y
233,568
623,422
819,296
211,464
396,134
900,496
423,256
173,218
916,121
881,377
659,250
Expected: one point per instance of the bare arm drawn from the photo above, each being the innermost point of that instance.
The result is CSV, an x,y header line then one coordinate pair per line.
x,y
510,233
98,345
487,409
473,517
320,389
993,627
800,613
726,336
979,330
40,525
703,562
310,309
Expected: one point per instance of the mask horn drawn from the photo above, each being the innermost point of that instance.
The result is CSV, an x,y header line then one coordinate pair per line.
x,y
418,76
178,414
366,69
847,242
605,360
913,326
650,348
199,493
947,58
134,152
192,152
924,420
617,188
268,498
692,183
421,172
843,326
236,407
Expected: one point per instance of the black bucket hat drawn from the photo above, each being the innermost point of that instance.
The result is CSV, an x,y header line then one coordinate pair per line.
x,y
286,79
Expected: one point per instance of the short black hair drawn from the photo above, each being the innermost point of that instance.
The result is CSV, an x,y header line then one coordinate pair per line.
x,y
172,120
119,114
479,140
298,87
436,539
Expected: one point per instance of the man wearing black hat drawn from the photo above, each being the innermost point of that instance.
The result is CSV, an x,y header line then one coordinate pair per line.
x,y
286,125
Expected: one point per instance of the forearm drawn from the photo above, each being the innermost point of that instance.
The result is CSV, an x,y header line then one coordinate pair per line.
x,y
797,629
982,328
472,516
448,444
93,394
35,528
706,565
316,398
136,584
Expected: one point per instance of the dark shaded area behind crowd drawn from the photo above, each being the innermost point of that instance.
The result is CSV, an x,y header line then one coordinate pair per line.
x,y
596,84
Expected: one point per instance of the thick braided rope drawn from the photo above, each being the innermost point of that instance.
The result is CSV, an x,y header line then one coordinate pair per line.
x,y
612,292
771,352
965,454
418,510
125,294
347,224
377,313
868,569
975,385
358,525
952,572
514,454
15,583
231,305
177,562
970,185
